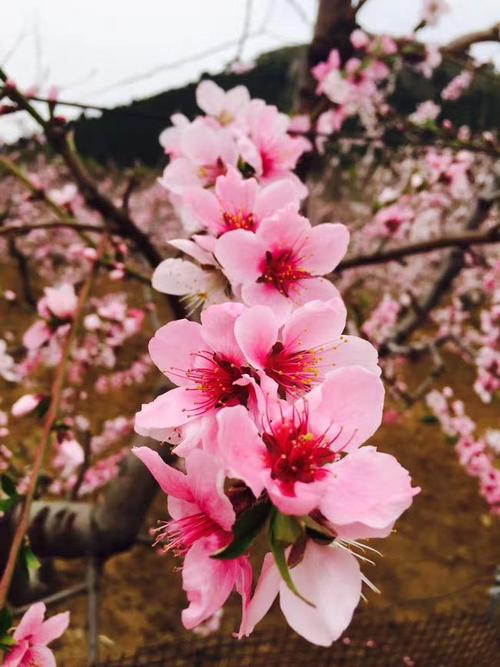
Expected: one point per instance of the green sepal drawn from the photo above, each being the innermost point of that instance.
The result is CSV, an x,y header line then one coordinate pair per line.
x,y
245,530
278,550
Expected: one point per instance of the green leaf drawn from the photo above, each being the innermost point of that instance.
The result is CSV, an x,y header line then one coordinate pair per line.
x,y
8,485
28,558
278,550
286,529
245,530
5,622
7,642
429,419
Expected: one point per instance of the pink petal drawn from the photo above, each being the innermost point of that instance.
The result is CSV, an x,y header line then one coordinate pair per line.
x,y
304,499
41,656
179,276
285,229
210,97
265,593
174,408
351,398
205,208
194,249
234,193
256,331
355,351
314,324
52,628
367,488
240,253
15,657
179,175
241,448
313,289
36,335
218,330
263,294
276,196
173,349
329,578
30,622
208,582
171,481
206,480
325,247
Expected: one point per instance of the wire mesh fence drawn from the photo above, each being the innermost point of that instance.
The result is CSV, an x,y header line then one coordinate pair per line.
x,y
453,640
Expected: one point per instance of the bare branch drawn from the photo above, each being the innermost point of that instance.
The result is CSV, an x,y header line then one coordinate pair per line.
x,y
396,254
464,42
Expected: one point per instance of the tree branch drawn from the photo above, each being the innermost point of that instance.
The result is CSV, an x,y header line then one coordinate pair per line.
x,y
464,42
463,241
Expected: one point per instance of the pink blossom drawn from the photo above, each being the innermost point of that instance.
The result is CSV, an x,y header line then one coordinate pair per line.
x,y
25,404
322,70
425,112
392,220
32,636
267,147
432,10
60,302
328,577
202,518
205,152
457,86
240,204
282,263
7,364
224,106
359,39
293,453
206,363
298,354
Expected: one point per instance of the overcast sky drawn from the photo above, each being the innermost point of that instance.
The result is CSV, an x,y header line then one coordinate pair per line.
x,y
110,52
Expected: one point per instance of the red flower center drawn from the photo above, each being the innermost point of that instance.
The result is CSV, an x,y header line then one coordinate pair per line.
x,y
296,372
239,220
282,270
295,454
214,381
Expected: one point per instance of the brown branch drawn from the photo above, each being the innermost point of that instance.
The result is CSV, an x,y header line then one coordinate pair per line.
x,y
56,393
462,43
61,141
396,254
24,273
14,230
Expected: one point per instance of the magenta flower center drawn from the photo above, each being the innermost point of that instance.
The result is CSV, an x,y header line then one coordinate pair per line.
x,y
239,220
281,269
295,454
214,382
295,371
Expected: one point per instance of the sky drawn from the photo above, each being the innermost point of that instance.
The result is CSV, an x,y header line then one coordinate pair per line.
x,y
109,52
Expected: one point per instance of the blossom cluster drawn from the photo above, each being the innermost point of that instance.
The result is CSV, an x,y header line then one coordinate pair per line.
x,y
273,402
477,455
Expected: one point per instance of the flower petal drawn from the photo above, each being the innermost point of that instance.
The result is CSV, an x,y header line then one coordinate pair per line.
x,y
329,578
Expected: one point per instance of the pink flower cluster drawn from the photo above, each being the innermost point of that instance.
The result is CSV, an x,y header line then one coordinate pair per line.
x,y
476,454
273,403
355,87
